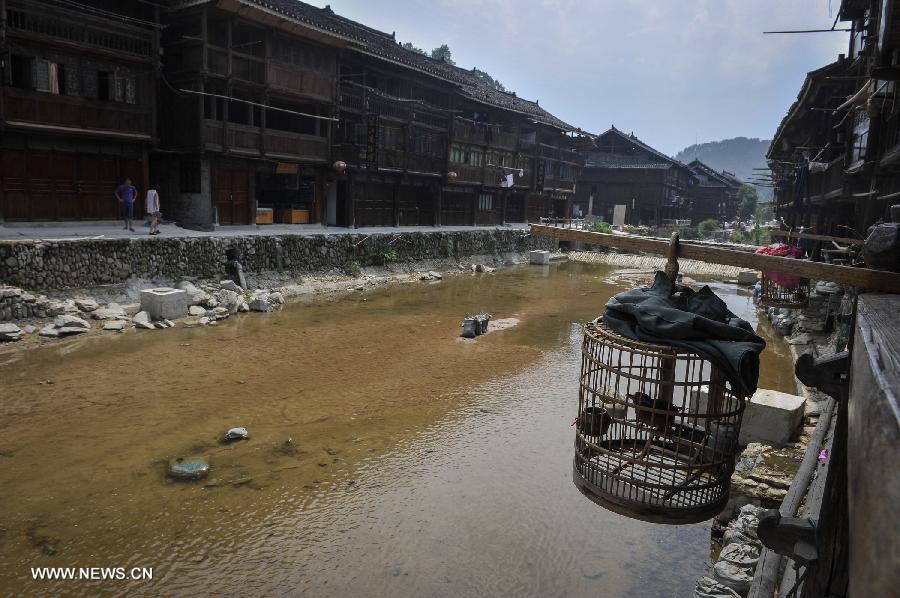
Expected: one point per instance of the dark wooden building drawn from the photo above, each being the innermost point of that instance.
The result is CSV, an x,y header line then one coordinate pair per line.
x,y
836,155
621,170
713,195
283,105
77,105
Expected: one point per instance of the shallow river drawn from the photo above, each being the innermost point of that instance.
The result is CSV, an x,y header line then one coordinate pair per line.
x,y
386,458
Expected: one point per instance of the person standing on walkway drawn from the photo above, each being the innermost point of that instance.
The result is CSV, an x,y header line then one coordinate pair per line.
x,y
126,194
153,209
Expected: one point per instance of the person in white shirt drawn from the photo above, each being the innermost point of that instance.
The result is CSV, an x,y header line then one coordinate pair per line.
x,y
153,209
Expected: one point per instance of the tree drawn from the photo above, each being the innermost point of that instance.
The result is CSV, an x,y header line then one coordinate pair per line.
x,y
488,79
707,227
409,46
747,199
442,52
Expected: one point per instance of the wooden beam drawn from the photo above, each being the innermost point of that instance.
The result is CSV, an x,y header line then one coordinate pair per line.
x,y
876,280
812,237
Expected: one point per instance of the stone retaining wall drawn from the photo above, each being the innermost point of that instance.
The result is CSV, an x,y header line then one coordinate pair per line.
x,y
85,263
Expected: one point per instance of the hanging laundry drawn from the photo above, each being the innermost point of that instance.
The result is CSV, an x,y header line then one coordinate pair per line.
x,y
785,280
507,181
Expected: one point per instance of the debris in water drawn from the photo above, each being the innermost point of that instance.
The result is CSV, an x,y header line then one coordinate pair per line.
x,y
188,468
235,434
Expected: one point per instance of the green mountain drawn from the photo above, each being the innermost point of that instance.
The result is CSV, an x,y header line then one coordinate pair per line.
x,y
739,155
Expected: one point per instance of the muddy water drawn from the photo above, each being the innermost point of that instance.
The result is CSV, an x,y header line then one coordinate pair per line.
x,y
386,457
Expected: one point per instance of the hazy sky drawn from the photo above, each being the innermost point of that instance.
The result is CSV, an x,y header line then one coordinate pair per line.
x,y
668,70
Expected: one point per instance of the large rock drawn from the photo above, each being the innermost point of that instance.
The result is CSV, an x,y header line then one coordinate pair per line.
x,y
67,321
541,258
164,303
708,587
49,331
733,577
142,320
771,417
260,302
195,295
117,325
10,332
86,305
112,311
230,285
230,301
196,310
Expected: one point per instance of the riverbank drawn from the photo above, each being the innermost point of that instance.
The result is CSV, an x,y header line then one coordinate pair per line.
x,y
114,309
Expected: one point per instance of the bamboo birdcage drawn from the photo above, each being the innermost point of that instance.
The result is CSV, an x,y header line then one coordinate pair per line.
x,y
791,296
657,429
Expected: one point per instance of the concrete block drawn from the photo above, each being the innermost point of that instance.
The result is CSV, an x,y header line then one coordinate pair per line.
x,y
747,277
541,258
164,303
771,417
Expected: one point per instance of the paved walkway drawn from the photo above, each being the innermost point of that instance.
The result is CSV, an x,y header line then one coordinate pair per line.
x,y
108,230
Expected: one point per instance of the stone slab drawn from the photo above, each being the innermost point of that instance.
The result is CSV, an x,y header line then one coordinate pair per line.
x,y
747,277
164,303
539,257
771,417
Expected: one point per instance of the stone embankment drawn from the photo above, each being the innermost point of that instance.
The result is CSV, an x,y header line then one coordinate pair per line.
x,y
764,473
86,263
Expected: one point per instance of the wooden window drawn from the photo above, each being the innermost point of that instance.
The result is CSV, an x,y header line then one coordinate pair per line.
x,y
860,137
475,158
457,155
485,202
103,85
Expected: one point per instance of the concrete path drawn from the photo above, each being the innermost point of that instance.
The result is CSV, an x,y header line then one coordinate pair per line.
x,y
111,230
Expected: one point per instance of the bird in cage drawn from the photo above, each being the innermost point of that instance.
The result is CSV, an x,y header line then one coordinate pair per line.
x,y
661,422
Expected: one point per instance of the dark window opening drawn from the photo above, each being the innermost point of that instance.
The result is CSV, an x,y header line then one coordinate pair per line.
x,y
21,71
103,80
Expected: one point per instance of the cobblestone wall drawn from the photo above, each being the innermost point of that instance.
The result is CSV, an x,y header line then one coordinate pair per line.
x,y
84,263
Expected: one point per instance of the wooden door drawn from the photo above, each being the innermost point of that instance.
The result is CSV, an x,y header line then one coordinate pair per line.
x,y
65,188
14,182
232,195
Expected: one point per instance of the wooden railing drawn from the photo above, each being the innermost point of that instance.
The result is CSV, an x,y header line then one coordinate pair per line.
x,y
295,144
53,21
875,280
72,111
311,83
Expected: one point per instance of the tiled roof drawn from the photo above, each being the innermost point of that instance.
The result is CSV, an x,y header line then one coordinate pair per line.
x,y
722,177
384,46
658,160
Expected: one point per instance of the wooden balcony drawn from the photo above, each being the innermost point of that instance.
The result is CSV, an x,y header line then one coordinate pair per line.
x,y
56,24
289,78
250,140
465,131
79,114
467,173
558,184
295,145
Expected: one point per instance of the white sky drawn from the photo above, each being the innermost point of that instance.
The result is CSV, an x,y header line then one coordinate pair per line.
x,y
668,70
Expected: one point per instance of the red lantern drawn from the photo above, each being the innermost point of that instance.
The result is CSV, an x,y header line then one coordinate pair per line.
x,y
451,176
340,166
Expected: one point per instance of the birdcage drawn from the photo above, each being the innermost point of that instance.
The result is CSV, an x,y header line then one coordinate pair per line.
x,y
657,429
780,290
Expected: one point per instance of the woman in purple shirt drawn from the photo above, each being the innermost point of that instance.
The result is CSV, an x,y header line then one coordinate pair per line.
x,y
126,193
